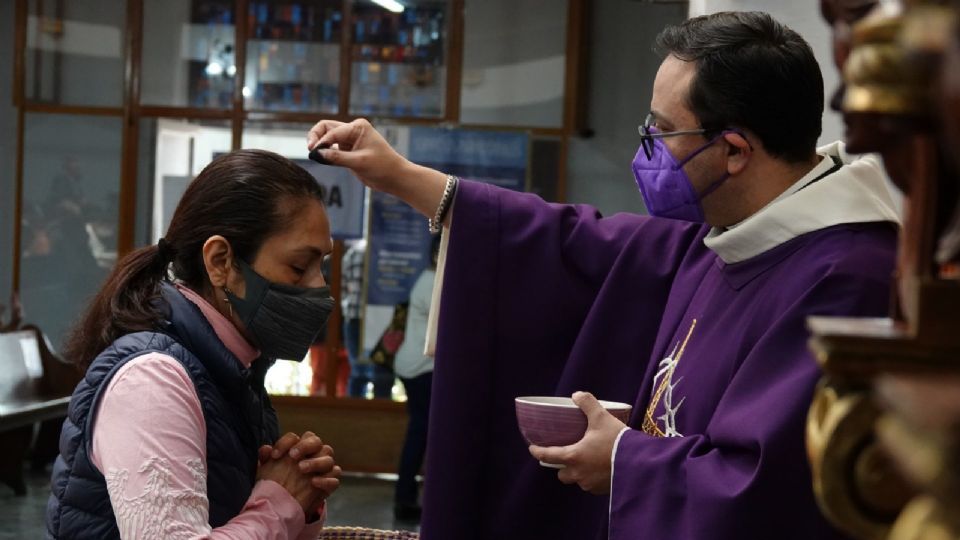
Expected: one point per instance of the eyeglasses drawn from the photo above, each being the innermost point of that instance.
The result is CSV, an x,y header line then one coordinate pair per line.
x,y
648,133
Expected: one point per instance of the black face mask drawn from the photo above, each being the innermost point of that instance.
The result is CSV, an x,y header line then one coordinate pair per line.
x,y
283,319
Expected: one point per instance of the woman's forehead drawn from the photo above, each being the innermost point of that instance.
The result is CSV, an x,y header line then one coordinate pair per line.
x,y
306,230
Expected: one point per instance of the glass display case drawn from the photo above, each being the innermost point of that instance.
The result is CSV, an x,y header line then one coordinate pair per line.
x,y
188,57
293,55
399,60
68,45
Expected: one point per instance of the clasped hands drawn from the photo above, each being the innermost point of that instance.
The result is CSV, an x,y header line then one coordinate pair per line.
x,y
304,466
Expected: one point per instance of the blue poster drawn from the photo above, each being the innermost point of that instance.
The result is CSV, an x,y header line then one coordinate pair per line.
x,y
397,249
495,157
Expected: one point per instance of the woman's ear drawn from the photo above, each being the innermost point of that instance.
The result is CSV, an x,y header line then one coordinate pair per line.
x,y
218,260
739,151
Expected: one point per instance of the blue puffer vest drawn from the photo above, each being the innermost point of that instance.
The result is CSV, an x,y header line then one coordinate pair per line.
x,y
236,410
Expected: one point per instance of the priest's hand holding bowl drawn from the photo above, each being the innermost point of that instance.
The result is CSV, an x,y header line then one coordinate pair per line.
x,y
362,149
586,462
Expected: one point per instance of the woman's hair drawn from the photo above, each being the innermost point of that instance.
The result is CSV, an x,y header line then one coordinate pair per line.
x,y
245,196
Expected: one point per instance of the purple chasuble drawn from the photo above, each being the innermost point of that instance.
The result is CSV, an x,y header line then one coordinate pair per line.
x,y
546,299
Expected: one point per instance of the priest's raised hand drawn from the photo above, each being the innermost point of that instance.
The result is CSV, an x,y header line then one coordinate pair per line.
x,y
360,148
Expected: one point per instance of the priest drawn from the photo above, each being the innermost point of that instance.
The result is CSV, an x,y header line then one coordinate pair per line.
x,y
695,314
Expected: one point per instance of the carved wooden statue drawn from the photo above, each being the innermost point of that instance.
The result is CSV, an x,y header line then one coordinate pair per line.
x,y
892,386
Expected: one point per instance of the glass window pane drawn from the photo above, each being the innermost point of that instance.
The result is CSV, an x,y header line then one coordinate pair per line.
x,y
71,45
399,59
188,53
172,152
70,213
293,56
8,143
513,62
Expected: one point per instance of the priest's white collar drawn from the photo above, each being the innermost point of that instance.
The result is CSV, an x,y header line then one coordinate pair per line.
x,y
856,193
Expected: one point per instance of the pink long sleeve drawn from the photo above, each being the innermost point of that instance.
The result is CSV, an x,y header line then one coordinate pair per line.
x,y
149,440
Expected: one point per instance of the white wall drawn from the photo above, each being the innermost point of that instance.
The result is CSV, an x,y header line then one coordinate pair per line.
x,y
164,68
513,62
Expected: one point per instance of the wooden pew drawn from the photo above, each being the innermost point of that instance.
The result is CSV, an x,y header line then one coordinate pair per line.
x,y
35,387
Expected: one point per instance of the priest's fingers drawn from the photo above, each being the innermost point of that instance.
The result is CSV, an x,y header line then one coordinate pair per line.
x,y
263,454
284,444
583,477
586,477
355,136
556,455
594,486
362,149
590,406
319,130
568,475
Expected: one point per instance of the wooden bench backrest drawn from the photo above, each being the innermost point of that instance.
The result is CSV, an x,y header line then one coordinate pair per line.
x,y
21,367
27,351
59,376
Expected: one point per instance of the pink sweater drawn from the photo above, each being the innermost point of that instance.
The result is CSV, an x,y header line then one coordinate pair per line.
x,y
149,441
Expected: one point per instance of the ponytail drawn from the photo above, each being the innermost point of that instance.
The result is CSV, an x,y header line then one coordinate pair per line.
x,y
127,302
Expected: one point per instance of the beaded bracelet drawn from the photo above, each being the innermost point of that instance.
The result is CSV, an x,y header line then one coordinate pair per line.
x,y
436,222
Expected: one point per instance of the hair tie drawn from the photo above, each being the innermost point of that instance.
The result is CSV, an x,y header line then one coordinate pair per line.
x,y
165,250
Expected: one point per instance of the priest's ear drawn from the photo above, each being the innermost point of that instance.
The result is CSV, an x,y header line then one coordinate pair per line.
x,y
739,151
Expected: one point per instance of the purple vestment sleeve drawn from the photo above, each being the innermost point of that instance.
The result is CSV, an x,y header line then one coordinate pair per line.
x,y
530,293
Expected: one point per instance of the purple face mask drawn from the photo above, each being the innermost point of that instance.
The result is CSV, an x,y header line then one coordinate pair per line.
x,y
664,185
